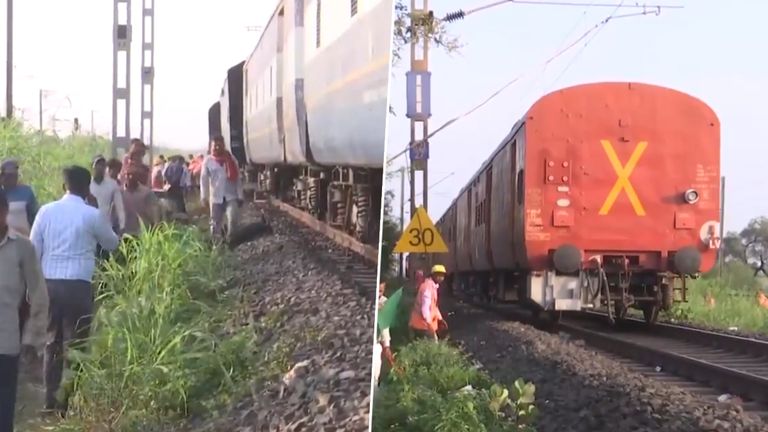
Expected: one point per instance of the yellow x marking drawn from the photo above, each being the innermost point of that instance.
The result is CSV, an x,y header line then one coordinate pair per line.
x,y
622,180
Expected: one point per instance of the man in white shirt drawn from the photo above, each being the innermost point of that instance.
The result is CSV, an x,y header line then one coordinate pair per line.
x,y
108,194
221,187
65,235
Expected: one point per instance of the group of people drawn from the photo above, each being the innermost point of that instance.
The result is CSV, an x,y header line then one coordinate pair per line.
x,y
425,319
48,255
46,295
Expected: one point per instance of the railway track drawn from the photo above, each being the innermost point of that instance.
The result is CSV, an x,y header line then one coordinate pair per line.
x,y
705,363
356,260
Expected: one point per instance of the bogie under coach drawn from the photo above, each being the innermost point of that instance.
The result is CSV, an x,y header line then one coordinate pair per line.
x,y
604,195
314,109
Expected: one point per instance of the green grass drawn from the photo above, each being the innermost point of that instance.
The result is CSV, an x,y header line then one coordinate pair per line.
x,y
735,301
436,389
43,157
165,340
423,392
171,337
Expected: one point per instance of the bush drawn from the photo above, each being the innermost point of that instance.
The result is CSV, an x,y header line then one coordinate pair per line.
x,y
162,343
435,388
43,157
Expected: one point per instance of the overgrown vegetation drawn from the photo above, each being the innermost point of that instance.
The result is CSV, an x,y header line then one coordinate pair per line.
x,y
731,301
164,344
43,156
171,338
435,388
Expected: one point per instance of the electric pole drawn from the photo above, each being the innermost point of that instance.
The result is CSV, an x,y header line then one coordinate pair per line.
x,y
418,98
121,76
401,269
148,74
9,62
721,253
40,110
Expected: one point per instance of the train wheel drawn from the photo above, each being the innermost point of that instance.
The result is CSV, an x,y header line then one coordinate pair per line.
x,y
651,314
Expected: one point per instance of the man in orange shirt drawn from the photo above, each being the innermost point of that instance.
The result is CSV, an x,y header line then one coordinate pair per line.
x,y
426,318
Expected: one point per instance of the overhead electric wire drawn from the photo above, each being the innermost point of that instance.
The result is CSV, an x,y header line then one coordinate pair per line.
x,y
584,47
516,79
461,14
541,72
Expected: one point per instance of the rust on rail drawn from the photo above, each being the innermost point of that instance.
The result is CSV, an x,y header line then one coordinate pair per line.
x,y
342,239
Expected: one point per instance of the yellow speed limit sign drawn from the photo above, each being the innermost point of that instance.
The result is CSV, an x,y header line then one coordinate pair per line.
x,y
421,236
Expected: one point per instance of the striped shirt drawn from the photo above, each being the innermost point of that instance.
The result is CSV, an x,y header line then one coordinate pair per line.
x,y
65,235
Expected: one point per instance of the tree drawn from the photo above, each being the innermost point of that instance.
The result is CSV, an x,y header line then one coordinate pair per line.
x,y
755,240
433,30
750,246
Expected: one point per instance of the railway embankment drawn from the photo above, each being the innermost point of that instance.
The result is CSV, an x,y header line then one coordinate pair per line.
x,y
313,328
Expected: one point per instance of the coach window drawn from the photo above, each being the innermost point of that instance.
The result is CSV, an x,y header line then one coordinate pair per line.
x,y
520,188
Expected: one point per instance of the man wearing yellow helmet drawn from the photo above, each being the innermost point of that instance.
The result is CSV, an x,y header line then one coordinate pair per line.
x,y
426,318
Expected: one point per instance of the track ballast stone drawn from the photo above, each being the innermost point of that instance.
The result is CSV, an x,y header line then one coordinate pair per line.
x,y
580,390
312,307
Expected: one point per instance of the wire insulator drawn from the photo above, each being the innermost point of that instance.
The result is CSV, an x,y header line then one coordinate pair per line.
x,y
455,16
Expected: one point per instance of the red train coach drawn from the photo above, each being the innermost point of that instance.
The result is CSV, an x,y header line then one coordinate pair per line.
x,y
604,194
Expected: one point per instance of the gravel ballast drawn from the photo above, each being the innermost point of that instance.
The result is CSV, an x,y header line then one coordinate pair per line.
x,y
580,390
293,283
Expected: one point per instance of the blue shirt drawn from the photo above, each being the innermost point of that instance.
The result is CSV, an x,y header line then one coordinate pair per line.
x,y
65,235
24,193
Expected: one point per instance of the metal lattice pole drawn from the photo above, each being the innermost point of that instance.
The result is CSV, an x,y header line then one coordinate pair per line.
x,y
121,76
148,74
9,62
418,98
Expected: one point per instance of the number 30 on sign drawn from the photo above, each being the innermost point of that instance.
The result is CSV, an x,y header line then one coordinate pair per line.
x,y
421,236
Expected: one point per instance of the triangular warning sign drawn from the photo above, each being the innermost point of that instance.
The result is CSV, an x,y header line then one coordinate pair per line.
x,y
421,236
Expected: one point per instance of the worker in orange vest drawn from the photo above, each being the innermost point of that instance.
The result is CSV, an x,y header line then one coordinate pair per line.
x,y
426,318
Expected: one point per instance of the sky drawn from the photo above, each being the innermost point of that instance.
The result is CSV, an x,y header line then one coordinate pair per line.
x,y
65,47
706,49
